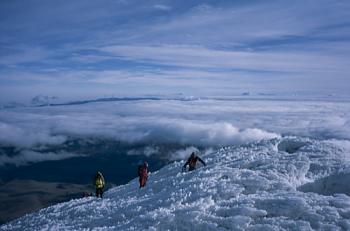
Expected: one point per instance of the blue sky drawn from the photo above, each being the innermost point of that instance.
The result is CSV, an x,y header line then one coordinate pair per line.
x,y
84,49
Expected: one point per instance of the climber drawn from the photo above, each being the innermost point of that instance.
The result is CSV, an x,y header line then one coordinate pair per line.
x,y
99,183
192,161
143,174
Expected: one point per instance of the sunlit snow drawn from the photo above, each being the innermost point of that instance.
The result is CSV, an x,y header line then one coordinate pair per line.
x,y
287,183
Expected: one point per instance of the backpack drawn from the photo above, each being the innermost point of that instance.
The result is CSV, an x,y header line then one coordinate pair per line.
x,y
192,162
142,171
99,182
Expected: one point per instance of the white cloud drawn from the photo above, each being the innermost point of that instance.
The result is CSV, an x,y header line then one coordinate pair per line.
x,y
12,135
25,55
169,128
305,43
202,122
182,154
124,123
162,7
201,57
27,157
147,151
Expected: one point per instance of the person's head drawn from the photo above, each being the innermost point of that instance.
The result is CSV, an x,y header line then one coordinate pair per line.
x,y
98,173
193,154
145,164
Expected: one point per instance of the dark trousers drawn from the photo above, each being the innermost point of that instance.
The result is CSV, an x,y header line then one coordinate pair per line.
x,y
142,181
99,192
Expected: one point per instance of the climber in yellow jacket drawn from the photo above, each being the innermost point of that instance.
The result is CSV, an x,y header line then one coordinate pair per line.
x,y
99,183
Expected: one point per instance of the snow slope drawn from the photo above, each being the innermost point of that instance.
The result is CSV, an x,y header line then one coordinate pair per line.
x,y
288,183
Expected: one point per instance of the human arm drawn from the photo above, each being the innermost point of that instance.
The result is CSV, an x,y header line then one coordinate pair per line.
x,y
202,161
139,171
103,181
146,172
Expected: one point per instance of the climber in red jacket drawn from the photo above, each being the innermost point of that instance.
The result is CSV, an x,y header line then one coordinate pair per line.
x,y
143,174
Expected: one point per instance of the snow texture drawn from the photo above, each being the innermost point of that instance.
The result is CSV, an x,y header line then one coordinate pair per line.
x,y
288,183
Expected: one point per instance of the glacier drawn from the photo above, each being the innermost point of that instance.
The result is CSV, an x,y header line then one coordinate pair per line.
x,y
285,183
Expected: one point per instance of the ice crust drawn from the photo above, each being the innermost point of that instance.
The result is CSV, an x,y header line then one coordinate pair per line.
x,y
289,183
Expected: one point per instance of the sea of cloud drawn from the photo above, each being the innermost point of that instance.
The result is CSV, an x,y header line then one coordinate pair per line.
x,y
27,156
194,123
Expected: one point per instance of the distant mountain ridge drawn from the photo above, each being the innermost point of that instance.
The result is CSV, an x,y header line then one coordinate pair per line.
x,y
45,100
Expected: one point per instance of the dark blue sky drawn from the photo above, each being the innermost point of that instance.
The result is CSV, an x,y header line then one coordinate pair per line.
x,y
84,49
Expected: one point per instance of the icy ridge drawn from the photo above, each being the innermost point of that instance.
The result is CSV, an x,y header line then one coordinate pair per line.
x,y
281,184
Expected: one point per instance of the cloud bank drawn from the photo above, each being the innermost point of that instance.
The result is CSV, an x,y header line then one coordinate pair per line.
x,y
198,123
12,135
26,157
